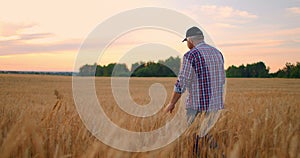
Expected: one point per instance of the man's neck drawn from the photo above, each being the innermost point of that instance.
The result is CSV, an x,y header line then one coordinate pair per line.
x,y
196,43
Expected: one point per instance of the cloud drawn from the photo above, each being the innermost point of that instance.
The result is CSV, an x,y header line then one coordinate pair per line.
x,y
15,31
291,33
35,36
12,47
226,12
293,10
13,40
10,29
226,25
225,15
263,43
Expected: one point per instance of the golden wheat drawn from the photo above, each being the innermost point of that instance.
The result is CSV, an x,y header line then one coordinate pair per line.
x,y
39,119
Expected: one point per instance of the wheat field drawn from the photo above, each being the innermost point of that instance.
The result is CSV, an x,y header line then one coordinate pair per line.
x,y
38,118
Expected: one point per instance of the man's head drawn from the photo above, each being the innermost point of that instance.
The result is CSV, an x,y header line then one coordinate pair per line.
x,y
193,36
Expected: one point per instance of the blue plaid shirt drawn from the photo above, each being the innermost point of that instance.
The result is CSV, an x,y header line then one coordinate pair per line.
x,y
202,74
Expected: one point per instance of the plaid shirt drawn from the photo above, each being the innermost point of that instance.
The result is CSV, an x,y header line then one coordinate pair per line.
x,y
202,74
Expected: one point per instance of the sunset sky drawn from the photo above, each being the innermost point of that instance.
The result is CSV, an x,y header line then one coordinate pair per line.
x,y
46,35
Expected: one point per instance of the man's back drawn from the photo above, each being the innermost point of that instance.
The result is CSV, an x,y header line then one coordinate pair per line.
x,y
207,79
202,74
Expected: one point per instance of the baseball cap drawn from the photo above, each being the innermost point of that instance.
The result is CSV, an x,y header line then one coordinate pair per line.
x,y
193,31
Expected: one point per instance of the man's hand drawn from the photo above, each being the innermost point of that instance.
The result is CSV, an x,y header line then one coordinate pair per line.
x,y
170,108
172,103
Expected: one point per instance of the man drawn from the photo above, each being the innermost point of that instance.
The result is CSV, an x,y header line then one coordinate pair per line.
x,y
202,74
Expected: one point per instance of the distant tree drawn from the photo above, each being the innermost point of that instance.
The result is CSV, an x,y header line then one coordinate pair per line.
x,y
87,70
120,70
289,71
99,70
136,67
141,69
258,70
295,72
234,71
108,69
143,72
172,63
165,68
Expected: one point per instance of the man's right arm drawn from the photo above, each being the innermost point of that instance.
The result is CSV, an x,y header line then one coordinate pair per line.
x,y
184,78
185,74
173,101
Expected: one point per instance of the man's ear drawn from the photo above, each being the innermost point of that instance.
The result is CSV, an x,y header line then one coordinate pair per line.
x,y
190,44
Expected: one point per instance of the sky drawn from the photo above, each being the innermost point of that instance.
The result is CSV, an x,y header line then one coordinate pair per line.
x,y
47,35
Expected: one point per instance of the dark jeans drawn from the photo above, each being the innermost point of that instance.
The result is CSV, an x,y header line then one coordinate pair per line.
x,y
201,135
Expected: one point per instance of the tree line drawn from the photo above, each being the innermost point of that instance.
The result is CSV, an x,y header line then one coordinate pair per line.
x,y
170,68
162,68
38,73
259,70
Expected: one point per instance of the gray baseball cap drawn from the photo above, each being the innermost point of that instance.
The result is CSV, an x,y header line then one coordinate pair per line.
x,y
193,31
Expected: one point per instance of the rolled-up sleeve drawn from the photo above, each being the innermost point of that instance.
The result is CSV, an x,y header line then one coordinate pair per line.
x,y
185,74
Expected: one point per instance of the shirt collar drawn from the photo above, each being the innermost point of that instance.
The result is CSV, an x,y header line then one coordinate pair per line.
x,y
199,44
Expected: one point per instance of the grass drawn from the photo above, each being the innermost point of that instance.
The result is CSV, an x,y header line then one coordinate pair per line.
x,y
38,119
